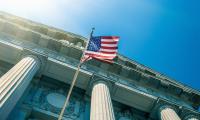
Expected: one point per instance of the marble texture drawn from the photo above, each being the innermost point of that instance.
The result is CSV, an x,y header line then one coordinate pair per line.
x,y
101,104
168,114
14,82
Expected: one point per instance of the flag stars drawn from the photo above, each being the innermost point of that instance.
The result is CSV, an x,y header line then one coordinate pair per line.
x,y
94,44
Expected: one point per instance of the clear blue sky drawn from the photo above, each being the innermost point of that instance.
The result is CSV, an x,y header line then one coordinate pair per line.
x,y
161,34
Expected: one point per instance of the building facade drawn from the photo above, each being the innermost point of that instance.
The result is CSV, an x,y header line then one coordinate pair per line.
x,y
37,63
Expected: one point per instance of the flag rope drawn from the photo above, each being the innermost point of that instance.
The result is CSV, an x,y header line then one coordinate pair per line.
x,y
74,79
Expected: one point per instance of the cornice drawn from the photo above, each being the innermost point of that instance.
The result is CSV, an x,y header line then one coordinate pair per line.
x,y
135,72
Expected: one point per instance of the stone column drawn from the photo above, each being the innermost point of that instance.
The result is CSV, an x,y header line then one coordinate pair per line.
x,y
191,117
101,104
168,113
14,83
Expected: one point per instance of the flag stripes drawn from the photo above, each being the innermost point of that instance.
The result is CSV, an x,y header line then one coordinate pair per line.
x,y
102,48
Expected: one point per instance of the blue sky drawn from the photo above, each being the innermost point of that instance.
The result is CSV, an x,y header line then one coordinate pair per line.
x,y
161,34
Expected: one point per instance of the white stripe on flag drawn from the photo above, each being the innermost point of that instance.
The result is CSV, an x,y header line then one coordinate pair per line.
x,y
99,53
109,45
109,40
108,50
101,57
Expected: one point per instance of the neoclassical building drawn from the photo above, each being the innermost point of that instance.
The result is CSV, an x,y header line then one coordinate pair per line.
x,y
37,63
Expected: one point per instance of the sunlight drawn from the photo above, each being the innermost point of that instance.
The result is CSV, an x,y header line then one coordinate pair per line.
x,y
58,13
27,7
64,14
25,4
43,6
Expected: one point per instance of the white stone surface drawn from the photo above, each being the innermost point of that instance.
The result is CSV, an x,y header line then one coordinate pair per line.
x,y
168,114
101,104
14,83
192,119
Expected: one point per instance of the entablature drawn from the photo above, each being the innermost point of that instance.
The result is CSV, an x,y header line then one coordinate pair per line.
x,y
67,48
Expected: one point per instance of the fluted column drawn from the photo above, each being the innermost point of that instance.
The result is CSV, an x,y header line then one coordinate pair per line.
x,y
14,83
168,113
101,104
191,117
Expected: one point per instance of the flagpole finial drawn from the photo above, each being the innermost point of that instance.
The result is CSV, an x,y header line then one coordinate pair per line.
x,y
93,28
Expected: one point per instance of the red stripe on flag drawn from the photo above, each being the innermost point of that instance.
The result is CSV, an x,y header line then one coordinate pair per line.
x,y
104,57
108,47
108,52
111,42
110,37
104,60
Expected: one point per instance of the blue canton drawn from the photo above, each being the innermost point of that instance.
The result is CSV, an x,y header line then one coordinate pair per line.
x,y
94,44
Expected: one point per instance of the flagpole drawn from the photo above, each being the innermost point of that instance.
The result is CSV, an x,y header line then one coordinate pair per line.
x,y
74,79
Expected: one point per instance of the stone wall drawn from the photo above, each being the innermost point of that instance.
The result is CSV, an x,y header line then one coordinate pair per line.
x,y
45,98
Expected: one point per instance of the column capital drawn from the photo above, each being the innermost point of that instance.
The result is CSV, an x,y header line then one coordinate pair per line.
x,y
167,112
162,104
34,57
101,81
41,59
165,106
189,114
95,79
191,117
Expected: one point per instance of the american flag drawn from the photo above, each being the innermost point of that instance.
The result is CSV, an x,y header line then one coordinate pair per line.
x,y
103,48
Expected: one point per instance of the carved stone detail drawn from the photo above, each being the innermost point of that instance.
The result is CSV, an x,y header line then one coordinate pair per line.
x,y
37,98
189,114
125,115
191,117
